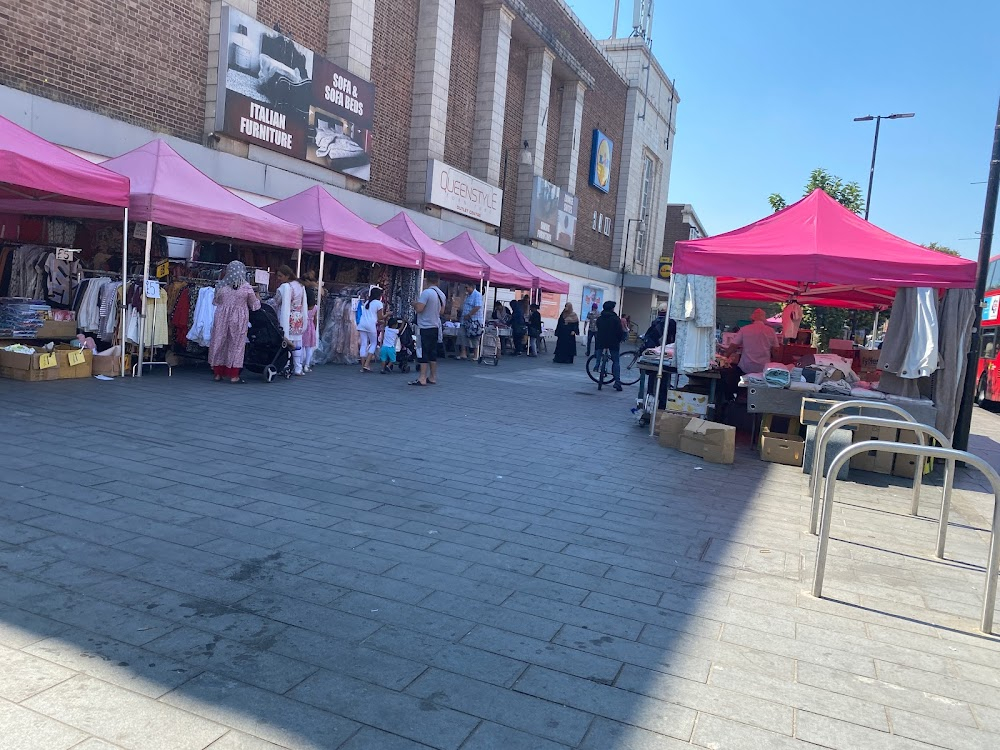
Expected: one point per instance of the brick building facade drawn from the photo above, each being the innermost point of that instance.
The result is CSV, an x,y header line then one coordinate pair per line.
x,y
463,82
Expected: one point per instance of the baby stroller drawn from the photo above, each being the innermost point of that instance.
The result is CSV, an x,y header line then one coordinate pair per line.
x,y
490,347
266,352
407,349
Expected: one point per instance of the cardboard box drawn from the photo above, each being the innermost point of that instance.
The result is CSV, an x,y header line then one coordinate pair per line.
x,y
106,365
684,402
879,462
814,408
66,369
57,329
781,448
712,441
669,427
905,465
26,367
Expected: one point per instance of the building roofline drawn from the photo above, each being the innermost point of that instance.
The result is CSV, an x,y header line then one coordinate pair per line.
x,y
688,209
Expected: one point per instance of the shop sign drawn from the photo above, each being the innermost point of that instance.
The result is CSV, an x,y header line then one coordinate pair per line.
x,y
553,214
462,193
162,269
279,95
601,151
991,310
665,265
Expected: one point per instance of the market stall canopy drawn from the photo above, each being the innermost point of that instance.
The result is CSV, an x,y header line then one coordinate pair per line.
x,y
498,273
542,279
168,190
329,227
41,178
434,257
822,254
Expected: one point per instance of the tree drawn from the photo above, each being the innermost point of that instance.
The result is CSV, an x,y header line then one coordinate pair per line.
x,y
941,249
828,322
846,194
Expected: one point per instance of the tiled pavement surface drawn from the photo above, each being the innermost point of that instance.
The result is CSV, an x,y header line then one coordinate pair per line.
x,y
499,562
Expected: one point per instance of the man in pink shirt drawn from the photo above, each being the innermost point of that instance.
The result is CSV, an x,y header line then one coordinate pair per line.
x,y
757,343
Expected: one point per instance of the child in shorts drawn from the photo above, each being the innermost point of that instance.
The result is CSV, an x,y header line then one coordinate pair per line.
x,y
387,352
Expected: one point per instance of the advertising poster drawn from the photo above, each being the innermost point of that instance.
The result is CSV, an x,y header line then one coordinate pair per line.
x,y
551,306
591,295
602,149
991,309
553,214
279,95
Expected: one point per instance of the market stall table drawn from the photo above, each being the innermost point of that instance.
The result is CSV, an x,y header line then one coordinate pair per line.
x,y
651,368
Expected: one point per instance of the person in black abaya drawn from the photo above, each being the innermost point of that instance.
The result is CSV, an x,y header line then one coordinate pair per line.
x,y
567,329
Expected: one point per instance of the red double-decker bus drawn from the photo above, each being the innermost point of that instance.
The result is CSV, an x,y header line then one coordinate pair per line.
x,y
988,388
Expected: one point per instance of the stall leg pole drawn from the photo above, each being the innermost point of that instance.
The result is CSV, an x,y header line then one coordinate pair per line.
x,y
875,329
659,368
486,292
421,282
319,294
142,292
124,308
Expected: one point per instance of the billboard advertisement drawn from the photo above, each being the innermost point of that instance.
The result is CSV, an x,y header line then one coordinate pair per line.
x,y
462,193
601,152
553,214
279,95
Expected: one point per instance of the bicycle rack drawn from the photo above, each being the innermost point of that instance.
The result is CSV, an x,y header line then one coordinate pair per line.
x,y
838,407
924,451
921,431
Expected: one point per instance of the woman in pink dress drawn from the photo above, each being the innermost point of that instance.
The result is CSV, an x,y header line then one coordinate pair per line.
x,y
234,299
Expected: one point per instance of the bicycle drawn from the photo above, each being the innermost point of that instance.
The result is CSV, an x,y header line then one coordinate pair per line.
x,y
600,371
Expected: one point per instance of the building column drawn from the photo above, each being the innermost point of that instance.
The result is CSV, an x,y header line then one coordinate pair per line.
x,y
533,130
491,93
431,77
568,165
349,35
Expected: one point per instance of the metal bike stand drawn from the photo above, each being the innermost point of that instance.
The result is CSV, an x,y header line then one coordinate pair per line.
x,y
921,431
924,451
839,407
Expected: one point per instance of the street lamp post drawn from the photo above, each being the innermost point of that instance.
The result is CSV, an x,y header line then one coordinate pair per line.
x,y
871,174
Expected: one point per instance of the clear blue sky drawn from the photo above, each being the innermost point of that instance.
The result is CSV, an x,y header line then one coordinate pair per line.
x,y
769,90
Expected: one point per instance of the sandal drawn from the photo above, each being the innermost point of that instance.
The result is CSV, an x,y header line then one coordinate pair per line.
x,y
416,382
238,380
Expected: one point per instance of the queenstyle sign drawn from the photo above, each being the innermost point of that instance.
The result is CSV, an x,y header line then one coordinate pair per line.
x,y
462,193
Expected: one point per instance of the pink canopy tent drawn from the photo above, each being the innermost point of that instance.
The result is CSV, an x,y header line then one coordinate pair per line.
x,y
41,178
168,190
498,273
434,257
329,227
541,279
822,254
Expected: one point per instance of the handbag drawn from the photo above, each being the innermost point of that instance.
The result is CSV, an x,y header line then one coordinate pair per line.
x,y
473,328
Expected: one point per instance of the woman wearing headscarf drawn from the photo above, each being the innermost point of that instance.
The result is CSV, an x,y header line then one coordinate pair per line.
x,y
567,329
234,299
290,303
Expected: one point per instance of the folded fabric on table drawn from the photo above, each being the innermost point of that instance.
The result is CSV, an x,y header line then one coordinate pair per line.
x,y
805,387
837,387
777,377
866,393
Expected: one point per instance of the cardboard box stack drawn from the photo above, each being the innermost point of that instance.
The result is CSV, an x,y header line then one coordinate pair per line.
x,y
781,448
712,441
879,462
685,402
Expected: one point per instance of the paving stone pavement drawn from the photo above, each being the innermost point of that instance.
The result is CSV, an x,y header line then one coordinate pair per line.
x,y
499,562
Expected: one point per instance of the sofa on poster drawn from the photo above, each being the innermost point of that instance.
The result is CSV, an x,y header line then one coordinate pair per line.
x,y
286,98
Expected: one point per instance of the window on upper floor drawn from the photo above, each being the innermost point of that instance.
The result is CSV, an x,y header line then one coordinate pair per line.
x,y
694,234
645,207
